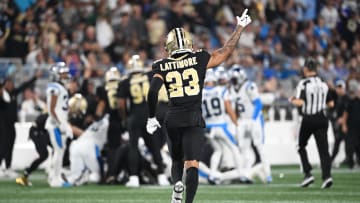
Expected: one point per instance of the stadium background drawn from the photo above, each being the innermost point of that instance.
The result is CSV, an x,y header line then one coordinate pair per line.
x,y
93,35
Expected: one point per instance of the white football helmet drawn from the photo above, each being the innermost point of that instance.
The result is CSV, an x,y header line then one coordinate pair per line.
x,y
222,75
59,72
178,41
112,78
210,76
112,74
238,75
135,64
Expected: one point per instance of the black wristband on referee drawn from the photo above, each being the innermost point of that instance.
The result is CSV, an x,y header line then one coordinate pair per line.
x,y
155,86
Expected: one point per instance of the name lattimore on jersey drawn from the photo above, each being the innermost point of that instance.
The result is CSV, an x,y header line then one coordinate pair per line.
x,y
174,65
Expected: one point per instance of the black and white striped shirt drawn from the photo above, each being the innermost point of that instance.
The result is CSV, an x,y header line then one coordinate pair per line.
x,y
314,92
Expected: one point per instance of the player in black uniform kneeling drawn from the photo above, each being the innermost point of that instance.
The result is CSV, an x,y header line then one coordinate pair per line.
x,y
183,74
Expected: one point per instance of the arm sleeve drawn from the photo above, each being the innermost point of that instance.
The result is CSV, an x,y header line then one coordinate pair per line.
x,y
204,57
83,89
52,89
155,69
347,105
253,93
155,86
101,93
123,87
258,107
300,91
330,96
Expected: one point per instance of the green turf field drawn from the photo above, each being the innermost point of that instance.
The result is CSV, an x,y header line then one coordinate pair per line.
x,y
346,188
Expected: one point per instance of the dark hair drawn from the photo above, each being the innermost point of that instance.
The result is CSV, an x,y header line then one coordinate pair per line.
x,y
311,64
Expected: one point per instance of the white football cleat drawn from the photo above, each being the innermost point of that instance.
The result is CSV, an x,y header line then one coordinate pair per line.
x,y
56,183
178,191
163,180
133,182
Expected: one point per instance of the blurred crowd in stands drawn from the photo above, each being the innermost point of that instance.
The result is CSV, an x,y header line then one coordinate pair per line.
x,y
98,34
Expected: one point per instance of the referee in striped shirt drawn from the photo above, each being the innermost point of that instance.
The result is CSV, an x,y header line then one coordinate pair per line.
x,y
312,99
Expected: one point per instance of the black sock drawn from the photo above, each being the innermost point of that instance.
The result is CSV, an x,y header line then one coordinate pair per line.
x,y
192,182
177,169
26,173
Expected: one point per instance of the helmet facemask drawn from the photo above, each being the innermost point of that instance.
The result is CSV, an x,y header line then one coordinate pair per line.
x,y
65,78
238,77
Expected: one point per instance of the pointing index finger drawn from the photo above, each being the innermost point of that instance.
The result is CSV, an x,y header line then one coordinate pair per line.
x,y
245,12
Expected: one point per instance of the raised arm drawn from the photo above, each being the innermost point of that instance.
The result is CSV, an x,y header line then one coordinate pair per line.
x,y
220,55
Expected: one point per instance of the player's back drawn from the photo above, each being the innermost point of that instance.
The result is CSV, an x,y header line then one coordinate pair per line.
x,y
108,94
135,88
243,99
97,131
183,77
213,107
61,108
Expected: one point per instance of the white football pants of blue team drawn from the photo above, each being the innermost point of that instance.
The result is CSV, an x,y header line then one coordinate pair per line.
x,y
248,131
85,154
223,141
58,142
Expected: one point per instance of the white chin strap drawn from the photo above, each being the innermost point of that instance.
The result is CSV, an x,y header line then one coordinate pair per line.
x,y
179,51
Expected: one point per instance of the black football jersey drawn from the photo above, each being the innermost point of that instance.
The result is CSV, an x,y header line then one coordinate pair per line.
x,y
135,89
110,98
184,80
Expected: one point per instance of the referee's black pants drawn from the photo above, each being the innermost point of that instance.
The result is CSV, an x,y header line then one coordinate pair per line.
x,y
318,125
353,141
339,136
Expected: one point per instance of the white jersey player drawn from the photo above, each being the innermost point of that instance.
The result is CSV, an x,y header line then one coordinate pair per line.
x,y
244,97
57,123
85,154
221,134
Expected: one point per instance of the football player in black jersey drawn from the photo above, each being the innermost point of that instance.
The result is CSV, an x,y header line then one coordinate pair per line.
x,y
108,103
183,74
134,89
